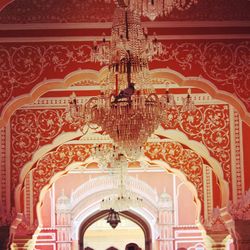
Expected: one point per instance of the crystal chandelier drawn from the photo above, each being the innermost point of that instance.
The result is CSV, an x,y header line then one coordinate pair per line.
x,y
129,122
122,199
127,53
154,8
128,109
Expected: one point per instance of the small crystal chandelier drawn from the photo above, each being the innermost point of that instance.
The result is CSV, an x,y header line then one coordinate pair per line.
x,y
113,218
122,199
154,8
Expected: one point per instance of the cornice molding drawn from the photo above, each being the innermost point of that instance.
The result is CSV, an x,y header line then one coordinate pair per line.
x,y
99,38
107,25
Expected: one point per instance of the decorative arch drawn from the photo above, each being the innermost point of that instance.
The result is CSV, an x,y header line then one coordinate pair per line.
x,y
4,3
127,214
77,164
41,152
104,185
60,159
133,246
93,75
172,134
204,153
161,163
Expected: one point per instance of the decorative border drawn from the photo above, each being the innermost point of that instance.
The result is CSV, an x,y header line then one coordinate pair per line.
x,y
208,191
32,68
8,168
28,198
3,168
86,11
239,154
237,164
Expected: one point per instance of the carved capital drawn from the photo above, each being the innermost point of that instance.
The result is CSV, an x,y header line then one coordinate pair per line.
x,y
216,225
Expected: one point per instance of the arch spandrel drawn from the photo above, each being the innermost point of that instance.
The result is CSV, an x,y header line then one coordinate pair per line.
x,y
57,162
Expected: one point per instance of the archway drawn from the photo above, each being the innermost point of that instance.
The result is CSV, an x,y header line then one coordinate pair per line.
x,y
126,214
132,246
94,76
213,166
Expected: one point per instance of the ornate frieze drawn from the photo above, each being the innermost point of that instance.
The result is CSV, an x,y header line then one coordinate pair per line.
x,y
73,11
25,66
33,128
208,125
30,130
224,63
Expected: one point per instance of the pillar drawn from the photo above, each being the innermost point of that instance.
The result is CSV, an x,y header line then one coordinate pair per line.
x,y
21,233
216,231
241,234
216,240
4,237
240,212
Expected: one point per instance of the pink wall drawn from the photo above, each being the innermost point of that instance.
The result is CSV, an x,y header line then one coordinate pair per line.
x,y
159,181
46,210
187,207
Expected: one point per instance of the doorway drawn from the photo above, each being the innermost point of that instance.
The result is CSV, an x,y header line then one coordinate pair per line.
x,y
131,234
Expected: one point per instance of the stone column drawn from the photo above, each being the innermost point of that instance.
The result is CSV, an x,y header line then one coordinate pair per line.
x,y
21,234
5,228
242,234
217,232
4,237
165,221
217,240
240,212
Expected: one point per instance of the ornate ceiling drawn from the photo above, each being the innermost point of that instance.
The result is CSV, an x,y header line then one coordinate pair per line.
x,y
45,54
78,11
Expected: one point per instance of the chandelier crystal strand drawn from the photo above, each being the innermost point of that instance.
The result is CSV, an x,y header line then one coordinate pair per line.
x,y
130,49
122,199
128,122
188,103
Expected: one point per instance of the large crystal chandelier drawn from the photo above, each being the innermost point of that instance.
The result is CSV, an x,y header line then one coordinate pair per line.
x,y
127,53
154,8
128,109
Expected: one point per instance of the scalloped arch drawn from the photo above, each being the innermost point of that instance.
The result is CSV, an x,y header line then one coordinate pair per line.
x,y
93,75
4,3
172,134
161,163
